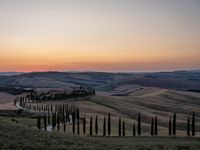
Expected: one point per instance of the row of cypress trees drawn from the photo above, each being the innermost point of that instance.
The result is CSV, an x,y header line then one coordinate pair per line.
x,y
45,97
78,93
49,108
56,120
191,126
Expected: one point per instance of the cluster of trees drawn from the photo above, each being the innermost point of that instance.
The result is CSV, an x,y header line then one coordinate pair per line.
x,y
63,114
43,97
22,101
75,94
49,108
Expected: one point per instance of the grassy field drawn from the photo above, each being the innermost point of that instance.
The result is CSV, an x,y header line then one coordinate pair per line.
x,y
26,121
18,136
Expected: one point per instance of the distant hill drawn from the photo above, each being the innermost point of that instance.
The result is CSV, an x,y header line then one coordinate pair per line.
x,y
10,73
178,80
59,79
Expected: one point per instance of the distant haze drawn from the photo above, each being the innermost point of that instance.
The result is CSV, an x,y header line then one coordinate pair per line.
x,y
99,35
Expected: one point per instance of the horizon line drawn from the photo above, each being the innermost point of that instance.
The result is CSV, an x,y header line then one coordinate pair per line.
x,y
90,71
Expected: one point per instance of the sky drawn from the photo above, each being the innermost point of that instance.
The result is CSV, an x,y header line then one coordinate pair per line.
x,y
99,35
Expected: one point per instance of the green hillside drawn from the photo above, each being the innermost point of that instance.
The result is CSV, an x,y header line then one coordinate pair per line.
x,y
13,136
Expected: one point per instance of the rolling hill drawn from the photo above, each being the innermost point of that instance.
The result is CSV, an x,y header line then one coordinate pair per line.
x,y
178,80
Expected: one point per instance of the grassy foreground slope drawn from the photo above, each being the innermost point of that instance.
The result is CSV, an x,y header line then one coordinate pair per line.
x,y
13,136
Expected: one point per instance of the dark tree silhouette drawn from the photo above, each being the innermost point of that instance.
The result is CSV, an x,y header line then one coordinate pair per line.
x,y
49,118
104,126
67,117
73,123
63,113
170,126
188,127
193,124
91,126
156,126
38,123
64,123
152,126
84,125
139,124
77,114
51,108
96,125
53,122
78,127
109,125
174,124
58,122
123,128
134,129
45,122
119,129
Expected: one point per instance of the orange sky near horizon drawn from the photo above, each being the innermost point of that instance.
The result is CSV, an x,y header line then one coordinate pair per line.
x,y
99,36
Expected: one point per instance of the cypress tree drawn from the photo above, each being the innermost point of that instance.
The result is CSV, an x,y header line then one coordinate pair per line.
x,y
51,108
139,124
38,123
174,124
123,128
67,117
91,126
64,123
52,121
96,125
60,111
156,126
193,124
84,125
152,126
73,123
104,126
55,119
170,126
109,125
188,127
48,108
63,113
48,118
119,130
134,129
78,127
45,122
77,114
58,122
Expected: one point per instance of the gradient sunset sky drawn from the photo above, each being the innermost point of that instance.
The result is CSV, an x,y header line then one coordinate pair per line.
x,y
99,35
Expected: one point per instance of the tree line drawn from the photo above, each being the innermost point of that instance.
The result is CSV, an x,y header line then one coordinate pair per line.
x,y
57,119
36,96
